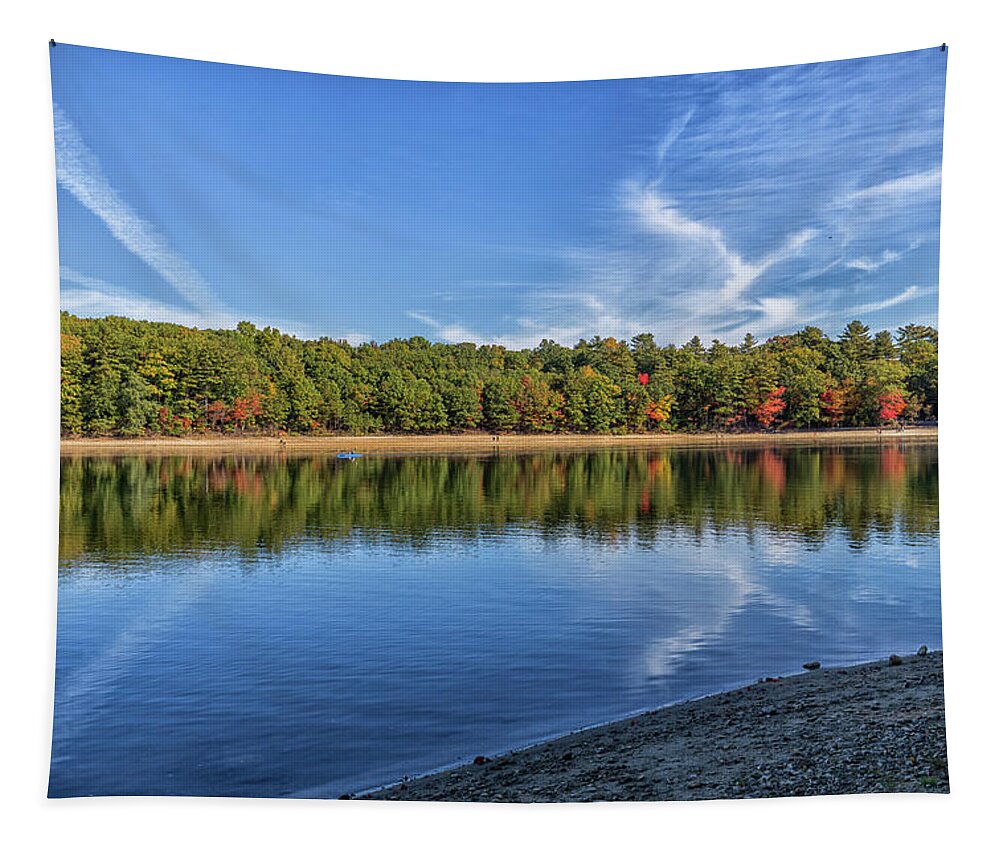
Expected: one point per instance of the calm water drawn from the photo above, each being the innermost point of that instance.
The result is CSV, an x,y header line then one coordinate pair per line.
x,y
307,626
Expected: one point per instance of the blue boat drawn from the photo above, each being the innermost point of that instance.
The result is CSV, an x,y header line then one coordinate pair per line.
x,y
349,456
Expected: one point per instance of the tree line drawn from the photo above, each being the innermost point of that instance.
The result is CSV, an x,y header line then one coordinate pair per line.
x,y
129,378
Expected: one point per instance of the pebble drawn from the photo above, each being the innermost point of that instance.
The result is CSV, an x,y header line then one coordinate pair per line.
x,y
827,738
895,660
811,666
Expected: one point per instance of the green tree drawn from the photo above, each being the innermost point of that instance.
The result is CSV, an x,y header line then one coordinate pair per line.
x,y
854,348
71,384
800,373
137,406
499,412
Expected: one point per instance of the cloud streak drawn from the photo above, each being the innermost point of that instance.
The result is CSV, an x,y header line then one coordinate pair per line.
x,y
672,135
776,198
79,172
874,307
897,190
84,295
87,296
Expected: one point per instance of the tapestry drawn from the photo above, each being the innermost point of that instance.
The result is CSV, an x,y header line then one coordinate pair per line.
x,y
513,442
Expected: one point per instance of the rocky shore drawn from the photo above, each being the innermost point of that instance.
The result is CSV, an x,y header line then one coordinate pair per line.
x,y
878,727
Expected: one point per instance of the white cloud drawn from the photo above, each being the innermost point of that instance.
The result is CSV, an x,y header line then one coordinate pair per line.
x,y
898,190
79,172
671,136
875,306
866,264
660,214
87,296
675,264
449,332
92,297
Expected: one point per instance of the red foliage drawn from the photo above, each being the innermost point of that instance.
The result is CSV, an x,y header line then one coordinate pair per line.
x,y
768,410
644,378
832,403
216,413
890,406
245,410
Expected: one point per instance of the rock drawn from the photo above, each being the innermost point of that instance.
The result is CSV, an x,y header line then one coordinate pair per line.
x,y
479,760
895,660
346,796
923,650
811,666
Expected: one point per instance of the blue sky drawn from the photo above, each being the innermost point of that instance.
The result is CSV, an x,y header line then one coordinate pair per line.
x,y
710,204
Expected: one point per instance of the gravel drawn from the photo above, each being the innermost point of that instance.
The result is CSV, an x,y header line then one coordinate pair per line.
x,y
877,727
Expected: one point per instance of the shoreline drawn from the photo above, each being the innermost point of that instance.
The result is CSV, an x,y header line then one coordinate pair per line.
x,y
875,727
481,443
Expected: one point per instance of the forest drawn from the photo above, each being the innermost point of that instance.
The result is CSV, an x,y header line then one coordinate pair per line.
x,y
128,378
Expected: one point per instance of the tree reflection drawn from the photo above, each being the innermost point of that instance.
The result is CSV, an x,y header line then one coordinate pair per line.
x,y
117,507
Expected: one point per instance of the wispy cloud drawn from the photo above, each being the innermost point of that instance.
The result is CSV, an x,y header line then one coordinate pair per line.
x,y
897,190
875,306
672,135
659,214
87,296
450,332
787,197
866,264
79,171
84,295
888,255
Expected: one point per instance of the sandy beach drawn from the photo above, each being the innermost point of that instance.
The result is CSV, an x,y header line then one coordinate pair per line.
x,y
877,727
474,443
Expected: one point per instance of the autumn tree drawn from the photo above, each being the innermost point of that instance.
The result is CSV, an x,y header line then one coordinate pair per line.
x,y
216,414
770,408
245,410
833,404
890,406
538,406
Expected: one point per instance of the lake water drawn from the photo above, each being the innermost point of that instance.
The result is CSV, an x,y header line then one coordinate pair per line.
x,y
268,626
